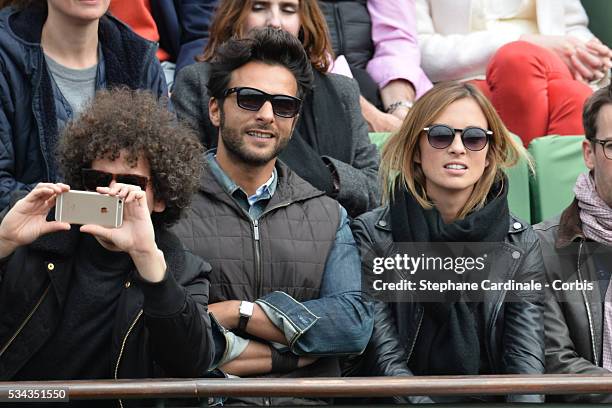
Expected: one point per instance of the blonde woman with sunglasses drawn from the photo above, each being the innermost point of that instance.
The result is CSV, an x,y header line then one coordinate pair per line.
x,y
443,183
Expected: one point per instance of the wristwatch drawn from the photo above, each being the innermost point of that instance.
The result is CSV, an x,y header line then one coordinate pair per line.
x,y
245,311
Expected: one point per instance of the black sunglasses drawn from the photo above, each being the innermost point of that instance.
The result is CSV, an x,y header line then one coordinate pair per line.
x,y
442,136
96,178
253,99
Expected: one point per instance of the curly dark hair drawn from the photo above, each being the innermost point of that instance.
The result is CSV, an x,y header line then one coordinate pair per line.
x,y
137,123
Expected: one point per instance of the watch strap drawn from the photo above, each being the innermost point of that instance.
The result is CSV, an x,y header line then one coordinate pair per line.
x,y
245,311
242,322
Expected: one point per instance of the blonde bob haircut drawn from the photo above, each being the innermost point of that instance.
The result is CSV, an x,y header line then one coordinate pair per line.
x,y
229,21
398,164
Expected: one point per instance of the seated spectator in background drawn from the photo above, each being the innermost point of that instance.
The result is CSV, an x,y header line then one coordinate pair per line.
x,y
98,303
377,39
180,28
444,182
286,277
576,247
533,59
331,149
55,54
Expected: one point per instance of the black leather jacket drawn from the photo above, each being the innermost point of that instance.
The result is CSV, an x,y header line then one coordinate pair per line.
x,y
514,330
573,319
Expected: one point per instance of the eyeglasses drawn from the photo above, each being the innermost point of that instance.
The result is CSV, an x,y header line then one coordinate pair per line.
x,y
442,136
96,178
253,99
607,147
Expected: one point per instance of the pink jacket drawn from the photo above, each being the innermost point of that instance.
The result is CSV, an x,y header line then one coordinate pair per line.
x,y
396,50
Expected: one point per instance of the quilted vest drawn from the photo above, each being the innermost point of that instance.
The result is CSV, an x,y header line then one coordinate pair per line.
x,y
285,249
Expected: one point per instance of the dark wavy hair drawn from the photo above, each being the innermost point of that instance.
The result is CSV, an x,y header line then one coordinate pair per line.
x,y
269,45
135,122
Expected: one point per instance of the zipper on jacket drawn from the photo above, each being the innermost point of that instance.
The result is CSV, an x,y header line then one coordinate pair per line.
x,y
490,332
123,348
27,319
257,247
491,340
256,252
414,339
588,307
36,96
257,259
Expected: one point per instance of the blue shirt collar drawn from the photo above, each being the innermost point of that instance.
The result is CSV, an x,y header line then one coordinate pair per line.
x,y
264,192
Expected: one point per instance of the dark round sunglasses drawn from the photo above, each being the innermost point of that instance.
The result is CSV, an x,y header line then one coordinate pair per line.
x,y
472,137
96,178
253,99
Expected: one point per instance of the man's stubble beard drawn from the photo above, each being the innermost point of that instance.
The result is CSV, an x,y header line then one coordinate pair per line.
x,y
236,146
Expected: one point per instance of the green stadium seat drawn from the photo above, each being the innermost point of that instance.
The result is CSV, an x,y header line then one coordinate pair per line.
x,y
558,162
599,12
518,176
519,199
379,139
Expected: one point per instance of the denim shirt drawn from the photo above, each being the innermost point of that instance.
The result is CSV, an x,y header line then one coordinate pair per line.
x,y
340,321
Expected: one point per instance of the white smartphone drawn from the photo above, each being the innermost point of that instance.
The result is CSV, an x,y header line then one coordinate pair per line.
x,y
87,207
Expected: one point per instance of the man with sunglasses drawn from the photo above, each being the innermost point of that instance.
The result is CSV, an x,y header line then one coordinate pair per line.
x,y
286,272
577,248
91,302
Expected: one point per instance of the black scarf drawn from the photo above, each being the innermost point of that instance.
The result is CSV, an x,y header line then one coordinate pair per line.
x,y
322,130
449,341
488,224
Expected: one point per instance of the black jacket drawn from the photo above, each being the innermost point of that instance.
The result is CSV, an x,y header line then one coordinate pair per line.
x,y
161,330
350,30
573,319
514,330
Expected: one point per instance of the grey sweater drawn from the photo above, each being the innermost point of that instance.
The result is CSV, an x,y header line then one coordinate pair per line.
x,y
359,190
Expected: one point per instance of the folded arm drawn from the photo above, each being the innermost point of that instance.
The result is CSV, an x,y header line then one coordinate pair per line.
x,y
338,322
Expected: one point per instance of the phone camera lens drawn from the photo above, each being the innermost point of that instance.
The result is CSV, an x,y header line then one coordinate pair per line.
x,y
120,201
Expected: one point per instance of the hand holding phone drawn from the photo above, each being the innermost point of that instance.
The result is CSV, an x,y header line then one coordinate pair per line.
x,y
136,236
27,220
136,230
